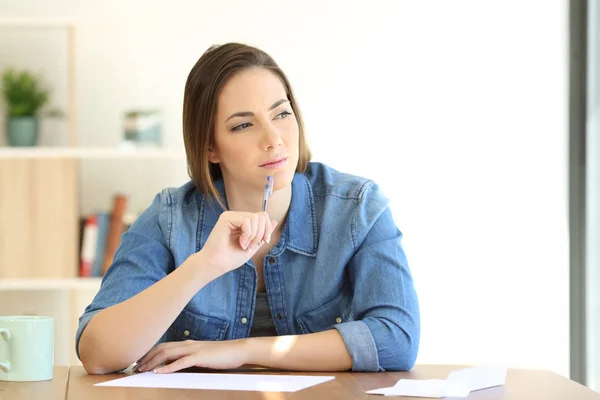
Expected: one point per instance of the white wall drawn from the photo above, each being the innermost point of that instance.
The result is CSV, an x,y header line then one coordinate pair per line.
x,y
458,108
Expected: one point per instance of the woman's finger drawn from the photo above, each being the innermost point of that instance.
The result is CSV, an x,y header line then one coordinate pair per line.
x,y
260,230
246,228
152,352
254,221
169,354
268,230
182,363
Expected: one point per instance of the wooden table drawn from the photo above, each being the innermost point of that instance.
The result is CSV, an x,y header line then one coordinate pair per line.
x,y
56,389
74,384
520,385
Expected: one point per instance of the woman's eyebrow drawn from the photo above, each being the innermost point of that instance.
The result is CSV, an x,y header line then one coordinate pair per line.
x,y
251,114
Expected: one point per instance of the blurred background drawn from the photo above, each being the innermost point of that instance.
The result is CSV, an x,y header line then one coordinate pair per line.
x,y
465,112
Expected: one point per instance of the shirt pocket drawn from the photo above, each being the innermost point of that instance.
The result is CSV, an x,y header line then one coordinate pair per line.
x,y
322,318
190,325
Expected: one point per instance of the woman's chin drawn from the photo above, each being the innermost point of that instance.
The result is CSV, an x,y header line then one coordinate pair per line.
x,y
282,178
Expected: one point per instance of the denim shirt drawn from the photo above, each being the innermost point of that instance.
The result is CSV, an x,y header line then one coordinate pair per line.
x,y
338,265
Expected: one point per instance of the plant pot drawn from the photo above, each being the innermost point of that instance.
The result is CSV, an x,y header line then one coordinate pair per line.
x,y
22,131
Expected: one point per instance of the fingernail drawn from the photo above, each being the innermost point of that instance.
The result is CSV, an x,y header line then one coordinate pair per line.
x,y
269,239
157,370
245,246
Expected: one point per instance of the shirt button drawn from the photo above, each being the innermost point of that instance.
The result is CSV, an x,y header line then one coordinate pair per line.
x,y
186,333
338,320
271,260
244,320
279,317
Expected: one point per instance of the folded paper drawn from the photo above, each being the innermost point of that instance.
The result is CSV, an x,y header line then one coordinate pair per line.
x,y
458,383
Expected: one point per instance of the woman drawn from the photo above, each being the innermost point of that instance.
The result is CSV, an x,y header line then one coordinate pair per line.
x,y
205,278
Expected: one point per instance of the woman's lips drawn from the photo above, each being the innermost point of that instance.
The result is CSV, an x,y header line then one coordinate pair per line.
x,y
275,165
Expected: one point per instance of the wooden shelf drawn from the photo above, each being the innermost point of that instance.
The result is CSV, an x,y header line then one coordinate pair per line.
x,y
50,284
90,153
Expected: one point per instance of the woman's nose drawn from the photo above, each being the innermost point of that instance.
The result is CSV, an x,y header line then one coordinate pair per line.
x,y
271,137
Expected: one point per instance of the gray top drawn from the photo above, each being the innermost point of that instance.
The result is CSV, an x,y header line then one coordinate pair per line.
x,y
262,325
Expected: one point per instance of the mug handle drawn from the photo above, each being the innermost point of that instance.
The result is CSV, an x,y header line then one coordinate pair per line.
x,y
6,335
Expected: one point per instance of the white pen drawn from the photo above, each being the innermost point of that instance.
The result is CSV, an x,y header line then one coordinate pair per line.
x,y
267,192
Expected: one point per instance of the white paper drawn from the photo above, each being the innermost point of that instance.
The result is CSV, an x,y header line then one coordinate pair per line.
x,y
251,382
458,384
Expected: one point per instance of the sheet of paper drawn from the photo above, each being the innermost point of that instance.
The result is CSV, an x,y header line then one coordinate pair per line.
x,y
458,384
432,388
477,378
251,382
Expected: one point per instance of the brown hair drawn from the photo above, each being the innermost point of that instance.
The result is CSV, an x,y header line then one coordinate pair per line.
x,y
203,86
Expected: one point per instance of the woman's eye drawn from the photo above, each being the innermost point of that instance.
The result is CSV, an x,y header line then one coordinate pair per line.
x,y
240,127
283,114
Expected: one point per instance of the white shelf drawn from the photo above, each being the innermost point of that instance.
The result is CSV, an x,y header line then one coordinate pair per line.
x,y
50,284
90,153
49,22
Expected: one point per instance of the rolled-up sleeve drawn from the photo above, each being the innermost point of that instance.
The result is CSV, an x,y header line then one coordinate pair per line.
x,y
386,331
143,258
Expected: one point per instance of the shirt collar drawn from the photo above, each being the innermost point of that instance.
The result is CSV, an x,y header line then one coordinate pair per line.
x,y
299,233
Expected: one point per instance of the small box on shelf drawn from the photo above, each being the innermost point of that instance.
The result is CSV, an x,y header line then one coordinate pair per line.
x,y
142,129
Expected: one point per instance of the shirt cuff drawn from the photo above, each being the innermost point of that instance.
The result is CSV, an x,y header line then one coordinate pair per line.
x,y
361,345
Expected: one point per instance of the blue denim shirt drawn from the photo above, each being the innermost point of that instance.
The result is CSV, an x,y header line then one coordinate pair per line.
x,y
338,265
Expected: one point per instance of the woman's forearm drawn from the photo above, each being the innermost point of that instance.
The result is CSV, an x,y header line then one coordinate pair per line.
x,y
323,351
119,335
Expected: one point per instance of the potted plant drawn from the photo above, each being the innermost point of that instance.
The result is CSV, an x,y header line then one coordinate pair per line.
x,y
24,97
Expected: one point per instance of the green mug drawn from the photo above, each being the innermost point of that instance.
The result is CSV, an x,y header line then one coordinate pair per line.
x,y
26,348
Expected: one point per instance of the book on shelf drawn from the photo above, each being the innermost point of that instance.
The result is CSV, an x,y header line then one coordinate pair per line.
x,y
115,230
100,235
88,245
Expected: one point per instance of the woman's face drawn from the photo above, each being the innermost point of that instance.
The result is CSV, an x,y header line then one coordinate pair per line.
x,y
256,132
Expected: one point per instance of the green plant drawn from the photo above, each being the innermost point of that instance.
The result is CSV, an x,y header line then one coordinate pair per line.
x,y
23,93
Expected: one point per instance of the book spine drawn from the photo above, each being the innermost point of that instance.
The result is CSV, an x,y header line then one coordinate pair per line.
x,y
88,247
115,230
103,222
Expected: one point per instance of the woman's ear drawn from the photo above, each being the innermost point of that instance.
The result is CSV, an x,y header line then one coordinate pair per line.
x,y
213,157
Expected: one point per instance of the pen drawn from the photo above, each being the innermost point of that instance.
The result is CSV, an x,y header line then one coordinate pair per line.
x,y
267,192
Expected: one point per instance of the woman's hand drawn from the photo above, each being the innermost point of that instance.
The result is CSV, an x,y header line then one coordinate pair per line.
x,y
227,354
235,238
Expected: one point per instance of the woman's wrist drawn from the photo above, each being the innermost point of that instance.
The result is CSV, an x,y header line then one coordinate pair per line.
x,y
250,350
202,267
